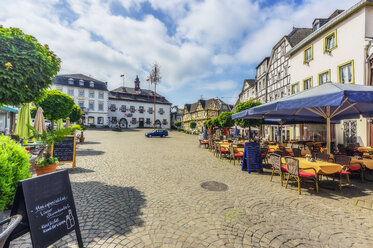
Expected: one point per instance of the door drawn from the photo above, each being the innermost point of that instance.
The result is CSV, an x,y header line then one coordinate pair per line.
x,y
123,123
141,122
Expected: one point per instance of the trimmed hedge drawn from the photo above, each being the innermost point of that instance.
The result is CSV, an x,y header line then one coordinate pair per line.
x,y
14,166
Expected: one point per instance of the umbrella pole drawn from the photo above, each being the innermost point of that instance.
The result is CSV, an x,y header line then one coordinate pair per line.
x,y
328,130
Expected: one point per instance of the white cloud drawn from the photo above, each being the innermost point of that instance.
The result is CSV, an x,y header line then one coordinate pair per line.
x,y
220,86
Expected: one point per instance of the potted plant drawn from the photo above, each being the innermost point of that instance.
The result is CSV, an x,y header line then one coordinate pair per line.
x,y
82,129
308,157
44,161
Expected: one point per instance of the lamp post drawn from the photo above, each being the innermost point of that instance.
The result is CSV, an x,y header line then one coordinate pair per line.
x,y
154,79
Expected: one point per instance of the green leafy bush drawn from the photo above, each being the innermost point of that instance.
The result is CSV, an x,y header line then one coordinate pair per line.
x,y
14,166
42,162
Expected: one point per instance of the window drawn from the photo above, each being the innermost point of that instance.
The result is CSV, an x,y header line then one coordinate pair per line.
x,y
164,122
59,89
81,104
147,121
114,120
161,111
70,92
101,95
91,94
141,109
330,41
91,105
307,83
81,92
100,120
150,110
133,121
113,107
132,109
100,106
81,82
324,77
295,88
70,81
91,84
346,73
91,120
308,54
123,108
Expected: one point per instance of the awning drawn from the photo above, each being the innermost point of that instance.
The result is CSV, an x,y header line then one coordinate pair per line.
x,y
9,109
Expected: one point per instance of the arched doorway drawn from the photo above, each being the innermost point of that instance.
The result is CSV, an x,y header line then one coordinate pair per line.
x,y
158,124
123,123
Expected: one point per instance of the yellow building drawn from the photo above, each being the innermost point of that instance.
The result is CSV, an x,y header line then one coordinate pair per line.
x,y
202,111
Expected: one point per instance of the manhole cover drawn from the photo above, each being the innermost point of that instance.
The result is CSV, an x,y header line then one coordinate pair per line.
x,y
214,186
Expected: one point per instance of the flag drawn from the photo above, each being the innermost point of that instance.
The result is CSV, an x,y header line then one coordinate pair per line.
x,y
122,75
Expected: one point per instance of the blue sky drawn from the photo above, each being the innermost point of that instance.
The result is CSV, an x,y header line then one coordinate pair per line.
x,y
204,47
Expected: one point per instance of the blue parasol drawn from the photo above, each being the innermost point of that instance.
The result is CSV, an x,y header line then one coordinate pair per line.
x,y
235,132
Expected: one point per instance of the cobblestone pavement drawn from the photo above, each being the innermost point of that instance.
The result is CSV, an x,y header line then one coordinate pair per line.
x,y
132,191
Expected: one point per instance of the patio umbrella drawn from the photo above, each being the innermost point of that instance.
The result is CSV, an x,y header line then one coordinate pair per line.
x,y
39,122
330,101
235,132
23,121
67,124
59,124
205,134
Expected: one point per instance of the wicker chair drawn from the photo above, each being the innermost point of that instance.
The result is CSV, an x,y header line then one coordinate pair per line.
x,y
299,175
297,152
10,224
347,169
277,167
322,157
234,155
264,154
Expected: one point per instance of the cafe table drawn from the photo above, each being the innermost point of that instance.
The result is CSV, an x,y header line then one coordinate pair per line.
x,y
365,149
321,167
367,162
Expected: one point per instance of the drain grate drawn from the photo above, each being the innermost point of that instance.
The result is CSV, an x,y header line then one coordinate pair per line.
x,y
214,186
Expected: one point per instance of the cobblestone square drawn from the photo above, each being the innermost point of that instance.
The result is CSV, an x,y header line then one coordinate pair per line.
x,y
133,191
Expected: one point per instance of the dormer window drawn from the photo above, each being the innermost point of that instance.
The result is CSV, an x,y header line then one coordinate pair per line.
x,y
91,84
316,25
81,82
70,81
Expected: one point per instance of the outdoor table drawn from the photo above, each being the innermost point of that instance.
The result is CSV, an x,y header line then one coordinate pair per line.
x,y
365,149
368,163
321,167
272,148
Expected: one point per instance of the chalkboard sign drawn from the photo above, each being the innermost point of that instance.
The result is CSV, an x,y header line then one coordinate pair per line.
x,y
65,150
47,206
251,157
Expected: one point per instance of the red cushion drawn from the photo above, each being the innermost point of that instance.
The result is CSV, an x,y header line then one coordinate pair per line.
x,y
305,174
224,150
283,168
238,155
354,168
344,172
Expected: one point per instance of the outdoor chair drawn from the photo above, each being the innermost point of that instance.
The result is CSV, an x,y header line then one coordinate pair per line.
x,y
10,224
345,161
277,167
286,152
297,152
234,154
203,143
264,154
294,172
322,156
222,151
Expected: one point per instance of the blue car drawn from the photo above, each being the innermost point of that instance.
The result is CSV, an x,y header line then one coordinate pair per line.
x,y
158,132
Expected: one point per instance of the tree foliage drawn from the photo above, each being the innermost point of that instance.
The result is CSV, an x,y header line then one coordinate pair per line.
x,y
56,105
177,123
193,125
33,111
225,120
26,67
215,122
247,122
76,114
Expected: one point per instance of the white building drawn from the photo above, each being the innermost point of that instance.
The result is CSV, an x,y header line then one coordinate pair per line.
x,y
248,91
338,50
8,118
261,80
134,108
90,94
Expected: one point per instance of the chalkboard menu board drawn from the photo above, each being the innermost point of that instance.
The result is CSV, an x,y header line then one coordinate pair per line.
x,y
251,157
65,150
47,206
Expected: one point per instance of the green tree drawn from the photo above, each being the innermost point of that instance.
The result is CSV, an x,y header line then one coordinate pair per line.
x,y
208,123
76,114
215,122
225,120
177,124
247,122
26,67
33,111
56,105
193,125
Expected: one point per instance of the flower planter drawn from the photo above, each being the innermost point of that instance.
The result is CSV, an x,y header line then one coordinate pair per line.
x,y
45,169
82,139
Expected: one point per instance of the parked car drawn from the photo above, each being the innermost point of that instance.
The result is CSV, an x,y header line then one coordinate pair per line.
x,y
157,132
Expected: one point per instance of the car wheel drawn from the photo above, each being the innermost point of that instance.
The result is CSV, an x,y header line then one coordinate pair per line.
x,y
161,136
149,136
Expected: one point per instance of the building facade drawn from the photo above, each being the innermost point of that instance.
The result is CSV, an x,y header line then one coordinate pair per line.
x,y
339,50
176,115
248,91
134,108
261,80
8,118
203,110
90,94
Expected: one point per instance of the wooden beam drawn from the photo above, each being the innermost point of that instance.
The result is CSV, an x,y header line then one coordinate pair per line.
x,y
316,112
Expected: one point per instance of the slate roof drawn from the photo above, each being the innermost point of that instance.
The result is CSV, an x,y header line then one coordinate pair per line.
x,y
63,79
297,35
130,94
266,58
222,106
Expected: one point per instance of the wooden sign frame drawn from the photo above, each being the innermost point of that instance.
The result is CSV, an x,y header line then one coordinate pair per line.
x,y
74,152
